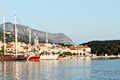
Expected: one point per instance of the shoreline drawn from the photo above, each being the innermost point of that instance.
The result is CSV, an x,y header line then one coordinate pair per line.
x,y
113,56
90,57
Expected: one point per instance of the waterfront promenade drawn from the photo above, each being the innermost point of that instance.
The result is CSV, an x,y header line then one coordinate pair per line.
x,y
88,57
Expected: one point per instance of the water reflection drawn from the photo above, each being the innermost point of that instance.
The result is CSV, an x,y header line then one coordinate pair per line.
x,y
45,69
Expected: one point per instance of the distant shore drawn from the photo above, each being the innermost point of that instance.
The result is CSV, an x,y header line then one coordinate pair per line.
x,y
112,56
89,57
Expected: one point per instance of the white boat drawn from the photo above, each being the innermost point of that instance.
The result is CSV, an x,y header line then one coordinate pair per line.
x,y
43,57
49,56
84,57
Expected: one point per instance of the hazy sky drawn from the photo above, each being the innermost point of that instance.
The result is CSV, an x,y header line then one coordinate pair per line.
x,y
81,20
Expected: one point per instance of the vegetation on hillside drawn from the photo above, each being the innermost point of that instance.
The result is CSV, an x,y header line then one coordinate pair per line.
x,y
110,47
63,44
11,38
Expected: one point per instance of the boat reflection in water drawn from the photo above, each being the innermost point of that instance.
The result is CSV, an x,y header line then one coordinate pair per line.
x,y
44,69
13,70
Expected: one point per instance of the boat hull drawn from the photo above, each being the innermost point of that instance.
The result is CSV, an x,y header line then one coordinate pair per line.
x,y
12,58
33,58
16,59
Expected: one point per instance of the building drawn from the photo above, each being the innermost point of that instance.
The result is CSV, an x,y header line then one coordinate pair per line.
x,y
21,47
80,50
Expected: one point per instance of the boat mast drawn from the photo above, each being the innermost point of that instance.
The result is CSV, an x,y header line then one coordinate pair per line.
x,y
15,37
4,33
30,38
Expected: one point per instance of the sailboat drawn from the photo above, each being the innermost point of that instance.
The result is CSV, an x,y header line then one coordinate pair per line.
x,y
12,57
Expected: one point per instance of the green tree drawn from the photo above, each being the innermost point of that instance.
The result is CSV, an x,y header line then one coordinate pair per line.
x,y
74,54
68,53
104,47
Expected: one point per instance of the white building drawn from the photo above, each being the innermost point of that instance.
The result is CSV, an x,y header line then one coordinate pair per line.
x,y
21,47
83,50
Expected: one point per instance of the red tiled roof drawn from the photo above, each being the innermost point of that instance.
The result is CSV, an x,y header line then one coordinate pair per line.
x,y
79,47
9,47
72,49
88,52
42,45
52,48
25,47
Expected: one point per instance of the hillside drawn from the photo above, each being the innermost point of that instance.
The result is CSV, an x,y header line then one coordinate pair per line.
x,y
11,38
53,37
104,47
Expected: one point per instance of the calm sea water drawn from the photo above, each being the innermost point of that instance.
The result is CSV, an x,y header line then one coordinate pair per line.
x,y
99,69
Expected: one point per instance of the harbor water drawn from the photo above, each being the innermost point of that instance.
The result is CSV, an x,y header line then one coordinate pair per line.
x,y
96,69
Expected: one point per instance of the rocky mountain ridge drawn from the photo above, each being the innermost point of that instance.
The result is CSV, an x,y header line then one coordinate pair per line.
x,y
22,29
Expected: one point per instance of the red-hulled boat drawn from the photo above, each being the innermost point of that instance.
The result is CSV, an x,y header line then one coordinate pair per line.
x,y
34,57
16,56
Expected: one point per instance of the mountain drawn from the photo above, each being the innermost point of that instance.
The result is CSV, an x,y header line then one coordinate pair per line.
x,y
52,37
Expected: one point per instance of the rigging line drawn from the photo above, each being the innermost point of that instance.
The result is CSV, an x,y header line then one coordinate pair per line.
x,y
2,28
1,25
23,29
1,59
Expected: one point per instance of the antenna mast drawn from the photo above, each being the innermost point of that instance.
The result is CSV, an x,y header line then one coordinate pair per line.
x,y
46,37
30,38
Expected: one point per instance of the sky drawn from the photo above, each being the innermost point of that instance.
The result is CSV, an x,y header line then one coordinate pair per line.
x,y
80,20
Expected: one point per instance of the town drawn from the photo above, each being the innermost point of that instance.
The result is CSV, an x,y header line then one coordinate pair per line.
x,y
19,50
23,48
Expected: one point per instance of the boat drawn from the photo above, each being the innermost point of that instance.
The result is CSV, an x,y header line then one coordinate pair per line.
x,y
11,57
33,57
49,56
45,56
